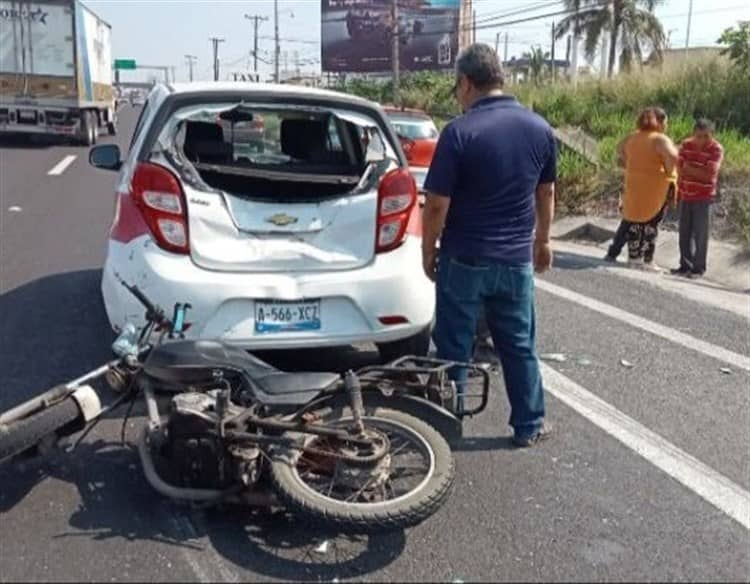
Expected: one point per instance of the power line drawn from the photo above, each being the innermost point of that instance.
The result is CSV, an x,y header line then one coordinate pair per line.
x,y
566,12
286,40
517,10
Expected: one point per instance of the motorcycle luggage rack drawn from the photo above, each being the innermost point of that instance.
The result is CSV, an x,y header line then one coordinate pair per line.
x,y
433,373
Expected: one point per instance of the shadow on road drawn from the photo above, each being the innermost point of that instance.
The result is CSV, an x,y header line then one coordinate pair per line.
x,y
116,502
20,142
274,545
480,444
53,330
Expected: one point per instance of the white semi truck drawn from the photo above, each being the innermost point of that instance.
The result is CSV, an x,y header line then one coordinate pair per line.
x,y
55,70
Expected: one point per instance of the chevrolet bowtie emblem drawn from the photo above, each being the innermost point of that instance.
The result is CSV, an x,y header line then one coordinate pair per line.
x,y
281,220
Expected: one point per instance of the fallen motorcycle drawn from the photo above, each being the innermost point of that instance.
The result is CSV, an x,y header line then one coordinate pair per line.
x,y
352,452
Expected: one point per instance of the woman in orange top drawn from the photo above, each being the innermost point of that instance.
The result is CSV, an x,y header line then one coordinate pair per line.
x,y
649,158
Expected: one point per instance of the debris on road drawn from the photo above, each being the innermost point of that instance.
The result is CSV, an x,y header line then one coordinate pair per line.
x,y
556,357
626,363
322,548
726,370
14,209
585,361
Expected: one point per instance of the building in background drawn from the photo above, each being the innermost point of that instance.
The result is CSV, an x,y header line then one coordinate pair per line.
x,y
466,31
356,35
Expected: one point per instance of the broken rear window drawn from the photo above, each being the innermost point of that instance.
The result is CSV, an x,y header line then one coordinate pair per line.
x,y
281,144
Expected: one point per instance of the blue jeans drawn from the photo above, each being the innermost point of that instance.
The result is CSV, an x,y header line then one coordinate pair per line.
x,y
507,295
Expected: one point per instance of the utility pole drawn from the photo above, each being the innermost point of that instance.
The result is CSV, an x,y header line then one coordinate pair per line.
x,y
277,48
552,54
497,43
395,54
576,43
174,74
191,59
604,57
505,52
256,22
689,26
216,42
474,28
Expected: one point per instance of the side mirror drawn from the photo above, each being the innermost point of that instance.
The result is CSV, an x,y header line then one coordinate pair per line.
x,y
106,157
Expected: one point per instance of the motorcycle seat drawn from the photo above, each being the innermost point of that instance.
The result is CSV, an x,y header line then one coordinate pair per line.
x,y
195,362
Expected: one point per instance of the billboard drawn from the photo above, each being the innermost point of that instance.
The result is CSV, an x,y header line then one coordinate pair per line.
x,y
356,35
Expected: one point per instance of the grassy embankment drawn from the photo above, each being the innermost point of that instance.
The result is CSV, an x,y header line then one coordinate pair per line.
x,y
607,111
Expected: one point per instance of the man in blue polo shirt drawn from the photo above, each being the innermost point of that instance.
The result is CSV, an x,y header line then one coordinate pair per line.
x,y
490,203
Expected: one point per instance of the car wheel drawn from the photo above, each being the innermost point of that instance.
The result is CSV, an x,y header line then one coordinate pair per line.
x,y
418,345
88,132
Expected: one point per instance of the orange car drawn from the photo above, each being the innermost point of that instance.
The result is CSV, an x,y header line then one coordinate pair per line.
x,y
418,135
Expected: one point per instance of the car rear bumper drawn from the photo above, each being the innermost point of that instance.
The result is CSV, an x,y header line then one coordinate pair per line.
x,y
223,303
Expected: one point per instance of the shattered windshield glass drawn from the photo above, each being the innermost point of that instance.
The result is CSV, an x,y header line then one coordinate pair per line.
x,y
306,139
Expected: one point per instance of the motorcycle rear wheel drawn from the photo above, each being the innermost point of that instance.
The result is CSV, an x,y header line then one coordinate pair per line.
x,y
18,437
295,483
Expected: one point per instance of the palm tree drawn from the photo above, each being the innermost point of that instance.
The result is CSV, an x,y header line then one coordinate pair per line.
x,y
537,60
631,24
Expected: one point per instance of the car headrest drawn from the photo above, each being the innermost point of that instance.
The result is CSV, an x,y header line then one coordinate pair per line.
x,y
302,139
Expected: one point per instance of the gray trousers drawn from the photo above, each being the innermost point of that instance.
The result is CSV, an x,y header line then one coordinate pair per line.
x,y
694,231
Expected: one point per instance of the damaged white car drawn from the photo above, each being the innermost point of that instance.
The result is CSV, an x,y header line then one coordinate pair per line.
x,y
286,216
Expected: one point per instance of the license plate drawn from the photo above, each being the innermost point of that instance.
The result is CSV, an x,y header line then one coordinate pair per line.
x,y
281,317
26,116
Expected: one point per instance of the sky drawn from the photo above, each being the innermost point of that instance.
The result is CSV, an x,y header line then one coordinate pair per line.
x,y
162,32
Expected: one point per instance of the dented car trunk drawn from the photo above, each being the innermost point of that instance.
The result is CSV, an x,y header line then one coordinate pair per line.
x,y
301,194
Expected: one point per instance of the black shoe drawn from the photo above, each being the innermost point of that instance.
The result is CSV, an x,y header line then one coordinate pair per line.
x,y
610,259
528,441
695,275
681,271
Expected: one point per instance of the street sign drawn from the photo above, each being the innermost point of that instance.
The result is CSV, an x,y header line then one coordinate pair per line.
x,y
125,64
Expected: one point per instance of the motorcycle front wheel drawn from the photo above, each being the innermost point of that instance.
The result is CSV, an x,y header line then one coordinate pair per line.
x,y
321,481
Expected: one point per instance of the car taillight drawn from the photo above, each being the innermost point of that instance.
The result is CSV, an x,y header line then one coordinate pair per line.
x,y
158,195
397,195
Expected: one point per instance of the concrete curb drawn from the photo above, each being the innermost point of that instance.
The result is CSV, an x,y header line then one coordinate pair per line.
x,y
728,264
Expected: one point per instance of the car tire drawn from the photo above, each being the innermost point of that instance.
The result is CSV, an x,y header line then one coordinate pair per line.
x,y
418,345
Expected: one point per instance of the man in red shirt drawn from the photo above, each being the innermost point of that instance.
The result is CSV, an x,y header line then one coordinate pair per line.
x,y
698,168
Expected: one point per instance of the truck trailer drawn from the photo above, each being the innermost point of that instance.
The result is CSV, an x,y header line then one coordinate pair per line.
x,y
55,70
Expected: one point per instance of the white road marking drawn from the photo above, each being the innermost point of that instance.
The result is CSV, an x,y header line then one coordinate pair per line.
x,y
670,334
704,481
192,559
60,167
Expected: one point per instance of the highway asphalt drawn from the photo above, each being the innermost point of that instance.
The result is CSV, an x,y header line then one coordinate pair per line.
x,y
646,478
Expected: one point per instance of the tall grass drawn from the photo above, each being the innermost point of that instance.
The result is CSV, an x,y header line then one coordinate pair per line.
x,y
608,109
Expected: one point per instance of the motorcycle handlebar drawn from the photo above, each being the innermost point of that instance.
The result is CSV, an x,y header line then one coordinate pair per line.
x,y
142,298
153,312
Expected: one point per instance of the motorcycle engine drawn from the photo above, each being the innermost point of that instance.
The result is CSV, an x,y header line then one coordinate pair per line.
x,y
197,454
